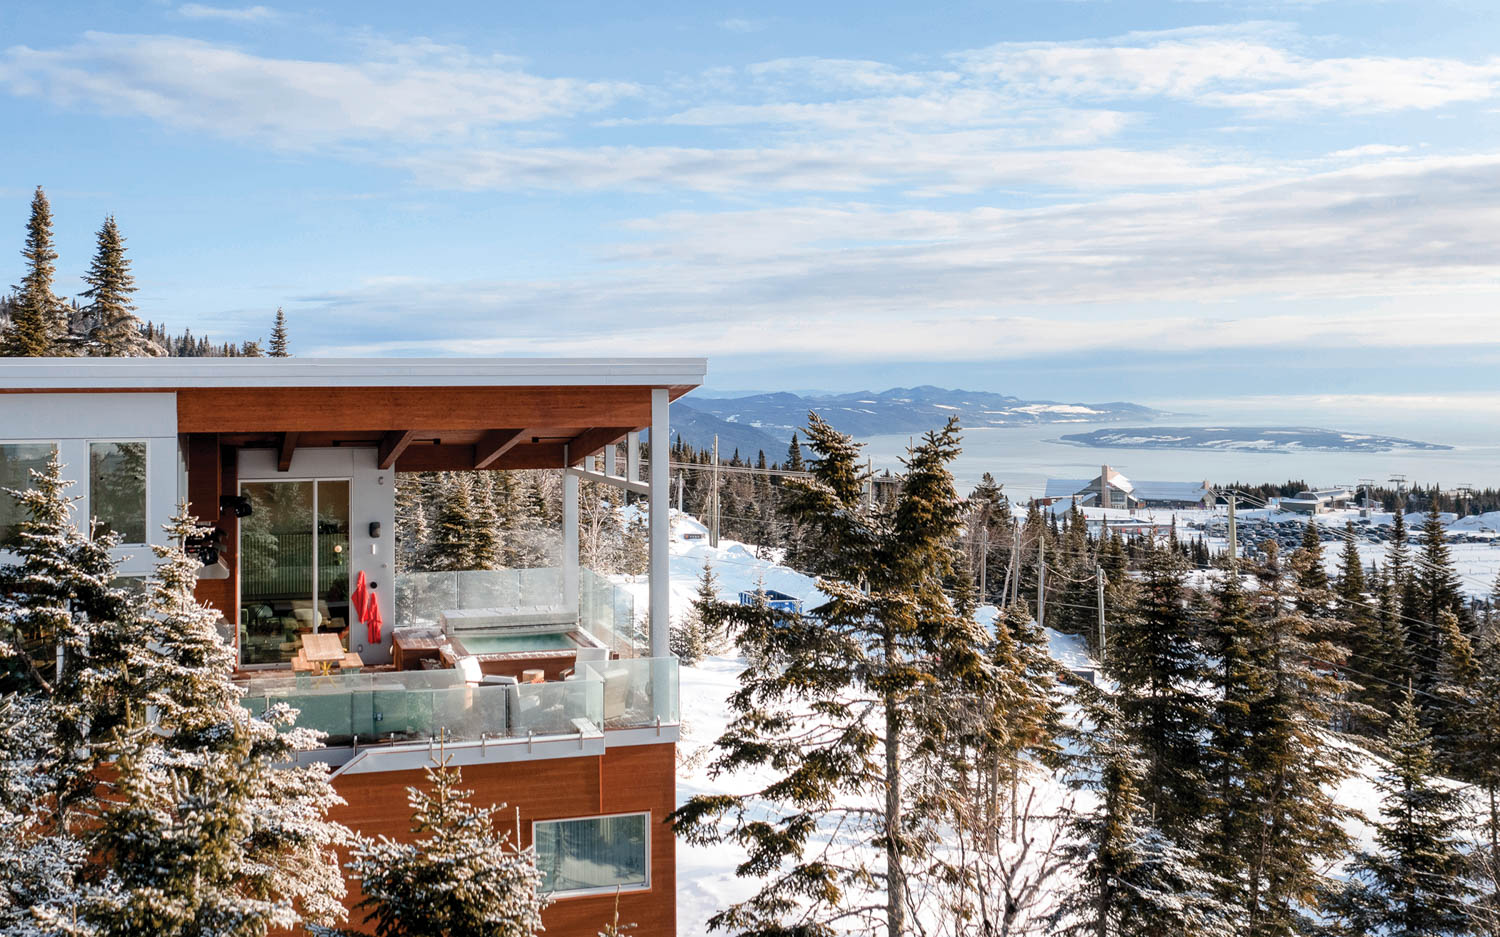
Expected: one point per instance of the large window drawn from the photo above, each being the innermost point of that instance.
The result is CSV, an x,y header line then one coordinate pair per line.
x,y
16,462
593,854
117,488
294,566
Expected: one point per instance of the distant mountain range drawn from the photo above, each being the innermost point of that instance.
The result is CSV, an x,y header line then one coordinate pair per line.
x,y
767,421
1245,439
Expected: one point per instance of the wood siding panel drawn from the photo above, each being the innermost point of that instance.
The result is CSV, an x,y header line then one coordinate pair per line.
x,y
381,409
627,779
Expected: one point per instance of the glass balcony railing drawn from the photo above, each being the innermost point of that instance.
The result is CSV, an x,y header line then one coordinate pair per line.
x,y
408,707
637,692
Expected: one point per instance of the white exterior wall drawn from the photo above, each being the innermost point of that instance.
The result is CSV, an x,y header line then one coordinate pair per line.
x,y
372,498
72,421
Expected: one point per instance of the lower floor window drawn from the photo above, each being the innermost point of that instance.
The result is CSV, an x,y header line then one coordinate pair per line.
x,y
594,853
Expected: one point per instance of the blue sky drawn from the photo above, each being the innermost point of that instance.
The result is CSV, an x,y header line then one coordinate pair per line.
x,y
1077,200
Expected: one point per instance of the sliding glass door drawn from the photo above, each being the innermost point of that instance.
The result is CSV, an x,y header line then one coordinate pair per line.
x,y
294,566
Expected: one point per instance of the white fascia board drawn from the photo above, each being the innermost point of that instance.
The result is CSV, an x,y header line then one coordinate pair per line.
x,y
491,751
162,373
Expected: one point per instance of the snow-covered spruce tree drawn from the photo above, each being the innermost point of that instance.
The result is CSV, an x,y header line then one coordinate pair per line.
x,y
451,548
1414,884
116,330
1162,674
204,833
462,875
1132,879
823,706
38,323
1481,765
40,866
484,536
279,346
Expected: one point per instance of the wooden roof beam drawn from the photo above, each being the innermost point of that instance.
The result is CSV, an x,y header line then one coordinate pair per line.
x,y
587,443
393,444
287,446
494,444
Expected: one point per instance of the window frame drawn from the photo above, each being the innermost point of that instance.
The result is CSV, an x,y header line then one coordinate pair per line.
x,y
239,532
56,445
145,488
598,890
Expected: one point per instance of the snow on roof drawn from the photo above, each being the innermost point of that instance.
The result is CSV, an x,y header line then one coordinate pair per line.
x,y
168,373
1145,490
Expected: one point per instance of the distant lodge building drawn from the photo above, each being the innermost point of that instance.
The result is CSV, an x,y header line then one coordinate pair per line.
x,y
1110,489
1317,501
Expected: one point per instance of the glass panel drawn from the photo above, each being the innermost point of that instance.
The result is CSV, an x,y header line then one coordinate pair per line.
x,y
16,462
117,488
638,691
333,556
276,574
597,853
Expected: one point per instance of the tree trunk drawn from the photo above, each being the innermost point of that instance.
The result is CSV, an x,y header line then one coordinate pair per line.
x,y
895,872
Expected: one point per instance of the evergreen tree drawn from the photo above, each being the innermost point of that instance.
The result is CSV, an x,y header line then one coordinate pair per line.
x,y
1414,884
451,547
279,348
1162,676
38,316
484,536
462,875
1291,825
1435,588
794,456
208,831
1131,880
116,329
888,634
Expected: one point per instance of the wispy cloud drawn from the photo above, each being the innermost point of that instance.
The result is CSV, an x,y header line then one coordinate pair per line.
x,y
1242,67
199,11
739,24
1274,264
407,92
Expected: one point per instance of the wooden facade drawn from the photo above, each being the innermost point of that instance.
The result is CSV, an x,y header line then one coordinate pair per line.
x,y
626,779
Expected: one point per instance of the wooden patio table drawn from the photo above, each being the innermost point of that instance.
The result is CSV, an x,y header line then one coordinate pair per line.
x,y
324,650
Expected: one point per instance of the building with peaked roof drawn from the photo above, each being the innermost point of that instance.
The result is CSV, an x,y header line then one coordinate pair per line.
x,y
1111,489
1317,501
554,689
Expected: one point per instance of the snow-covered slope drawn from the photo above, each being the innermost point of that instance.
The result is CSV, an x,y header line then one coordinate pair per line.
x,y
705,876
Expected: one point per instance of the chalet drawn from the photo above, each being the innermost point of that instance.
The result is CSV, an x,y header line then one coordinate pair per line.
x,y
1111,489
554,686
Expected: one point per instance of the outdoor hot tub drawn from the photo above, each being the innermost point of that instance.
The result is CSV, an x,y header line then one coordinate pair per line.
x,y
509,641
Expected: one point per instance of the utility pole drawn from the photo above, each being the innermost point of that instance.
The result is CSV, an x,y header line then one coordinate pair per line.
x,y
713,521
681,478
984,562
1041,578
1099,584
1233,535
1013,571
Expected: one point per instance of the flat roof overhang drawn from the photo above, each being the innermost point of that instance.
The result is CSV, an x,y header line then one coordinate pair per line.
x,y
423,414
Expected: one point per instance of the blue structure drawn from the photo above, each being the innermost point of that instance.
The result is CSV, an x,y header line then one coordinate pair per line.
x,y
779,601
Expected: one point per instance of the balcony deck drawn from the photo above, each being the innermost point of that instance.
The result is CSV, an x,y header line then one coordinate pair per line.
x,y
411,710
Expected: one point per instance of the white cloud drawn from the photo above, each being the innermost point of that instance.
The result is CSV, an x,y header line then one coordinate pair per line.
x,y
1242,67
409,93
739,24
199,11
924,164
1267,265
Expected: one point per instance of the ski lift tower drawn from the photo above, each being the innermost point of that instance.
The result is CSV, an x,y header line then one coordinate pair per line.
x,y
1366,506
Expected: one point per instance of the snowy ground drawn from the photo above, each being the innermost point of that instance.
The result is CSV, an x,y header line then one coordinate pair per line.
x,y
705,876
